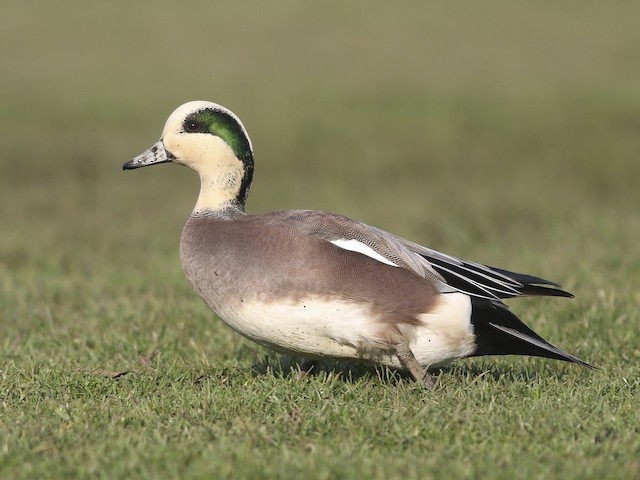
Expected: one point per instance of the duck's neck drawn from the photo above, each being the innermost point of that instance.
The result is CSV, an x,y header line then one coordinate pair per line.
x,y
225,182
219,191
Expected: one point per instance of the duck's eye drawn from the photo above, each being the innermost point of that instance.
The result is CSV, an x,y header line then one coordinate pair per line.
x,y
192,125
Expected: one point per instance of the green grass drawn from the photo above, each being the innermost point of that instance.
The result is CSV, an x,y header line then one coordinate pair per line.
x,y
502,133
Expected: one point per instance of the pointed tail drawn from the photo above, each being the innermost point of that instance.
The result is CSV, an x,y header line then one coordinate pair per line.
x,y
500,332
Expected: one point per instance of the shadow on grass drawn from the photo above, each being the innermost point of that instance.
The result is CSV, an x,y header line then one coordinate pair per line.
x,y
465,373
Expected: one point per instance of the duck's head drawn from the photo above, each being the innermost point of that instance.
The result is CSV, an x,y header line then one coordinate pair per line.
x,y
211,140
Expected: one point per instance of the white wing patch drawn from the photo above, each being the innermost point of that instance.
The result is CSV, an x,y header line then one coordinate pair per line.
x,y
356,246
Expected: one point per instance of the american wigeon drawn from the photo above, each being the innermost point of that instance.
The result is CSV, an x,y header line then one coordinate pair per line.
x,y
319,285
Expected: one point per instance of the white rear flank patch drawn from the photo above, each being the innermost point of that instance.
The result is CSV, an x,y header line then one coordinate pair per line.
x,y
447,334
356,246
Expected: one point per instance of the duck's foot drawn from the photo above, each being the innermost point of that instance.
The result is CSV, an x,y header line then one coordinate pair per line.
x,y
408,361
306,365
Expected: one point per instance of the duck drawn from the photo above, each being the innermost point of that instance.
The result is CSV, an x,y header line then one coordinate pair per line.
x,y
320,286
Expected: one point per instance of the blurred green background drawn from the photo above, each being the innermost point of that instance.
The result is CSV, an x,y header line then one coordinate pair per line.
x,y
467,127
503,132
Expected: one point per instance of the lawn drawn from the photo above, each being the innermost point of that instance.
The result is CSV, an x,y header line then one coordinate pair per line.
x,y
507,134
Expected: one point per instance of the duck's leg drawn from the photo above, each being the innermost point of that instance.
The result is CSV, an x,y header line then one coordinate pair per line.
x,y
408,361
306,365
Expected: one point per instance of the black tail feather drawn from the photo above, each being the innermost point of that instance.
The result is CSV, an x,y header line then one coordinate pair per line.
x,y
500,332
492,283
531,285
540,291
523,278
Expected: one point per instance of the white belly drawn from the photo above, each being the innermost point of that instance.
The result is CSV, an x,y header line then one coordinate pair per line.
x,y
316,328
